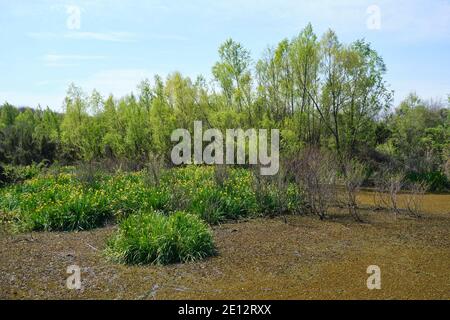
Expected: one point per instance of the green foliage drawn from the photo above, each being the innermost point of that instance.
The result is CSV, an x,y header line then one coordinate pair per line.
x,y
54,204
153,238
233,74
195,189
234,195
436,181
3,177
84,198
64,202
10,174
27,135
420,136
320,92
274,199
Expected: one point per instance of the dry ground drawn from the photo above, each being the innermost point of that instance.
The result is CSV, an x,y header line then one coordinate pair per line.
x,y
296,258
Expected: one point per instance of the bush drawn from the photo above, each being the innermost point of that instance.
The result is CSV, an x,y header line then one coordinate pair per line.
x,y
316,174
153,238
213,196
64,203
54,204
436,181
277,195
388,186
414,198
10,174
3,177
129,193
352,178
85,198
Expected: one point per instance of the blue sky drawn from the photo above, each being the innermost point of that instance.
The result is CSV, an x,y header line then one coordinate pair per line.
x,y
115,44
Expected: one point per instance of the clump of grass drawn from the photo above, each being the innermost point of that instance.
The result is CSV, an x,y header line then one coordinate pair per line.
x,y
153,238
200,191
277,195
54,204
64,203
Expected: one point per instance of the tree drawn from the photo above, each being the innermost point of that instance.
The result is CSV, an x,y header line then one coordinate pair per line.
x,y
367,93
47,134
321,93
74,124
8,114
420,135
232,73
305,61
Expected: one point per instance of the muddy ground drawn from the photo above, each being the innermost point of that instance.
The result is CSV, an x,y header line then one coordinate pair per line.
x,y
293,258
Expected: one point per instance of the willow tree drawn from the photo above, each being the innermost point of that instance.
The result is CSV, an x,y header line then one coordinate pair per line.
x,y
305,60
275,81
233,74
74,124
352,91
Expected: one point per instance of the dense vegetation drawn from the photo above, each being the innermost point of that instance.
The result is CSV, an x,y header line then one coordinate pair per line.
x,y
319,92
160,214
83,199
155,238
338,133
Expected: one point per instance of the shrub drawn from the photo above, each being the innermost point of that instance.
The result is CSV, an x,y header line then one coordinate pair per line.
x,y
437,181
85,198
129,193
154,169
3,177
211,195
153,238
414,198
353,176
54,204
63,202
15,174
277,195
315,174
88,174
388,186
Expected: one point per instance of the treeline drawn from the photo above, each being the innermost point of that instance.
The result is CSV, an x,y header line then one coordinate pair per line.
x,y
319,92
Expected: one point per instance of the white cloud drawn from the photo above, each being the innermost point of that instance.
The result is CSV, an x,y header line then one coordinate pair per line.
x,y
416,20
59,61
119,82
42,35
70,57
109,36
78,35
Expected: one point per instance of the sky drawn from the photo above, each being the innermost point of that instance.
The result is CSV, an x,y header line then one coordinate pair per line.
x,y
112,45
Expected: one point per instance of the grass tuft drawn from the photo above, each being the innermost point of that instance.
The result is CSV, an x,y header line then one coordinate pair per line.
x,y
154,238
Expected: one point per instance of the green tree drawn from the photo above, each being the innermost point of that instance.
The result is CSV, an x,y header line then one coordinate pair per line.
x,y
233,74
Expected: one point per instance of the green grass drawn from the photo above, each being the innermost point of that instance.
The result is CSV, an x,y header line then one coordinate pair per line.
x,y
197,191
154,238
63,203
69,201
149,232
